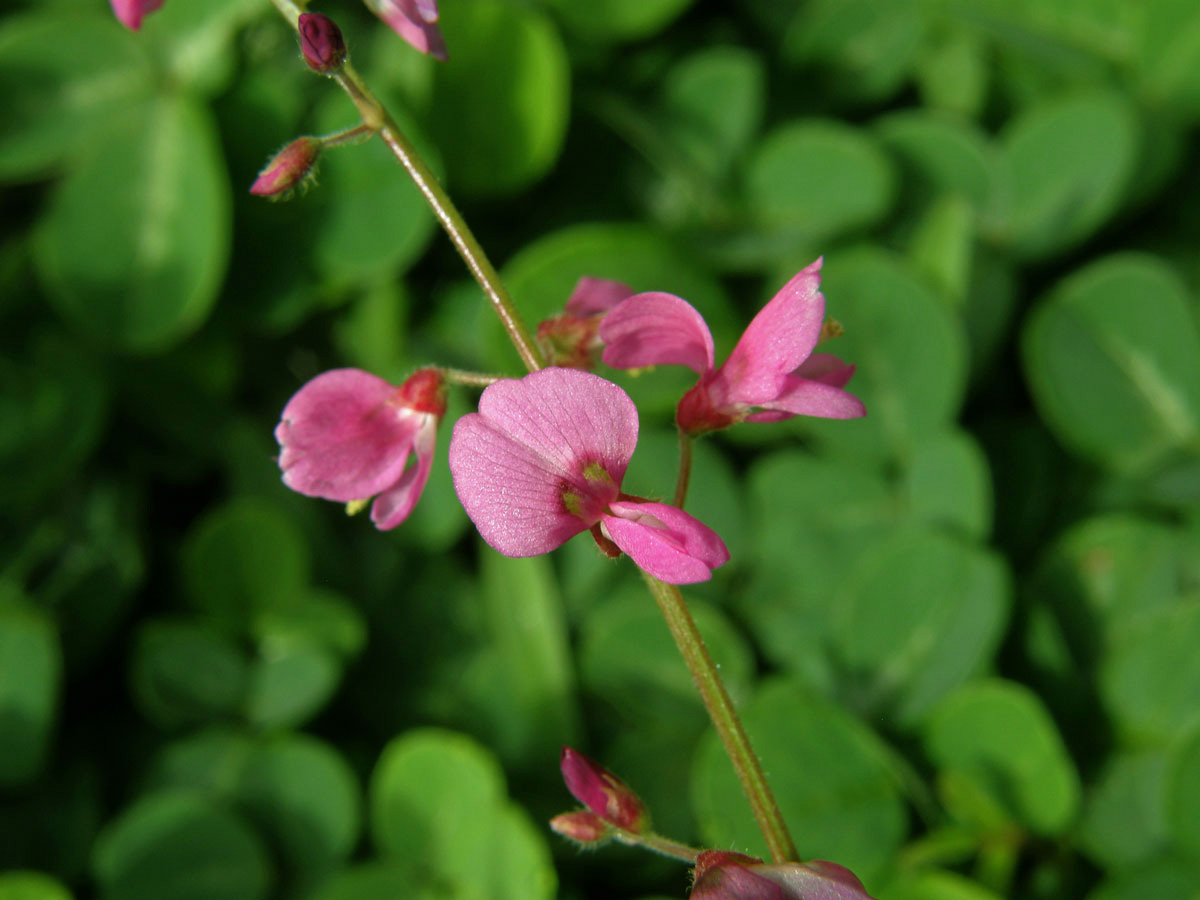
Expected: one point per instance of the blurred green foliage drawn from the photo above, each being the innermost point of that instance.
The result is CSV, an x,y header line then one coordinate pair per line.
x,y
963,630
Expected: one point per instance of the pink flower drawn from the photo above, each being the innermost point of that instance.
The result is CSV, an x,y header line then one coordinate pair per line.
x,y
130,12
572,339
287,168
604,794
721,875
772,373
415,21
347,436
543,460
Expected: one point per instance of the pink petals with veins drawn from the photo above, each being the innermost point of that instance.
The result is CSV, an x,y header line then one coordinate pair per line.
x,y
415,21
772,373
347,436
543,460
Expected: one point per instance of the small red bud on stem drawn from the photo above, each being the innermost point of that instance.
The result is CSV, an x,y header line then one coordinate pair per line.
x,y
321,42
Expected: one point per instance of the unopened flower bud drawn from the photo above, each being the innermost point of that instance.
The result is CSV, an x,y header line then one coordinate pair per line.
x,y
603,793
288,168
581,826
321,42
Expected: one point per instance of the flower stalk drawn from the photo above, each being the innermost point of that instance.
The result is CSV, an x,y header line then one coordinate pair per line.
x,y
375,117
725,719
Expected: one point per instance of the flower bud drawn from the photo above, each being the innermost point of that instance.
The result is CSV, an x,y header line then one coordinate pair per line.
x,y
321,42
288,168
603,793
580,826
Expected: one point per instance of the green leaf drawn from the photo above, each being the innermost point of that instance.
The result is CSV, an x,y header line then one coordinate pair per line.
x,y
31,886
185,673
947,482
289,684
618,20
322,618
525,677
210,761
712,103
144,272
628,658
242,559
1167,55
30,681
944,153
871,45
998,735
499,112
813,519
54,403
1182,793
1125,821
375,880
1118,382
917,617
1107,572
910,353
935,885
1071,160
1151,678
178,845
65,75
369,218
195,43
438,799
953,73
817,180
306,799
828,771
1165,879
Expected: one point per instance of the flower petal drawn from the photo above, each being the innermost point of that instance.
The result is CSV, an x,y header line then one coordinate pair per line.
x,y
827,369
656,329
131,12
393,506
801,397
777,340
411,21
342,439
593,296
665,541
530,439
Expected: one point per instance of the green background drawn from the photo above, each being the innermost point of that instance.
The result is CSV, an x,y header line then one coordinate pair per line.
x,y
963,631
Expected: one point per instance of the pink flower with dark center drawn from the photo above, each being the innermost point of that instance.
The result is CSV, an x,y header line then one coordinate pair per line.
x,y
543,460
722,875
347,436
130,12
572,339
415,21
772,373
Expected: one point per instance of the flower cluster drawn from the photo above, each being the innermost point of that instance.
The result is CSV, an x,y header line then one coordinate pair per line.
x,y
544,457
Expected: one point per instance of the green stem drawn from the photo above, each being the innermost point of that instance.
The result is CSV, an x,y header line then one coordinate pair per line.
x,y
378,119
685,467
725,719
657,844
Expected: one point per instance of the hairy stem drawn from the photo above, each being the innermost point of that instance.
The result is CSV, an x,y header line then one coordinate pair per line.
x,y
656,843
378,119
725,719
